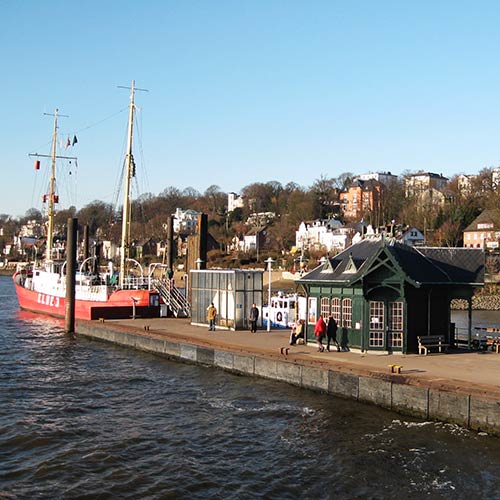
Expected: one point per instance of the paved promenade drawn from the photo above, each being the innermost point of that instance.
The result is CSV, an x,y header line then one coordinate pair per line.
x,y
457,371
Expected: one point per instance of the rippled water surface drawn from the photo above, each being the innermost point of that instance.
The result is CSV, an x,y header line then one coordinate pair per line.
x,y
84,419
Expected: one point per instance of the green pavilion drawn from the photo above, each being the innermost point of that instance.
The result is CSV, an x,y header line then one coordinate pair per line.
x,y
383,294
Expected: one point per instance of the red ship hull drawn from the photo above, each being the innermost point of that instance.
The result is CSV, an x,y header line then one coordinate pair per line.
x,y
121,304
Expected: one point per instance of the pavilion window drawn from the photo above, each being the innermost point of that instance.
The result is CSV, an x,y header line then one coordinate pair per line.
x,y
396,316
396,324
325,307
347,313
336,309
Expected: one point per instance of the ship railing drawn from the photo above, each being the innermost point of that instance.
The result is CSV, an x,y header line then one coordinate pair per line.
x,y
136,282
92,293
478,338
175,300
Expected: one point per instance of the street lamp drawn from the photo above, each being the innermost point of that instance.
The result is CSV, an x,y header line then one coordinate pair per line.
x,y
269,261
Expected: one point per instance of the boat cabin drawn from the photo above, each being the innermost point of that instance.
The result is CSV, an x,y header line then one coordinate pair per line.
x,y
284,310
384,294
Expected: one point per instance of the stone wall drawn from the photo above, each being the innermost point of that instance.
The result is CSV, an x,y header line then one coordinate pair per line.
x,y
391,392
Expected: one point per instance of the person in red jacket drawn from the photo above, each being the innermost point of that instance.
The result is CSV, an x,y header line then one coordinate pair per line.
x,y
320,331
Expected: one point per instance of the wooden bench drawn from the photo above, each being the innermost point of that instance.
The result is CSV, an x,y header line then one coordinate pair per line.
x,y
494,343
428,341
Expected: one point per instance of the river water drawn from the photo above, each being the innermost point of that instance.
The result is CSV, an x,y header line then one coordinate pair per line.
x,y
80,419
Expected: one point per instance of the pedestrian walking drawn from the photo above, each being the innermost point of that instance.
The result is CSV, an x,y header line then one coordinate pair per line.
x,y
320,332
253,317
331,333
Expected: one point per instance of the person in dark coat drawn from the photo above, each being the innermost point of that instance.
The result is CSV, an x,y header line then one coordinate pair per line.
x,y
253,317
331,333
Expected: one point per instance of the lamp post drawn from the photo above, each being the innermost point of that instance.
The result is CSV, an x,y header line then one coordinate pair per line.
x,y
269,261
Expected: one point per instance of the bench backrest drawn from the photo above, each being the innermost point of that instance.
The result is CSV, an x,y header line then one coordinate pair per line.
x,y
430,339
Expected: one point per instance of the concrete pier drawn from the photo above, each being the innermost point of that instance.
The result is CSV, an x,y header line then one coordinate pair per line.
x,y
459,387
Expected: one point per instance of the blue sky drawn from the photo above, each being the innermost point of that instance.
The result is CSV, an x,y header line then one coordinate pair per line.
x,y
246,91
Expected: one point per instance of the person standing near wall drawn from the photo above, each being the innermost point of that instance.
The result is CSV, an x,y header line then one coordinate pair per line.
x,y
253,317
211,315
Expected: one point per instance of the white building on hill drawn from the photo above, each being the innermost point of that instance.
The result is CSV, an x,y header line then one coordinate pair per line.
x,y
185,220
234,201
322,233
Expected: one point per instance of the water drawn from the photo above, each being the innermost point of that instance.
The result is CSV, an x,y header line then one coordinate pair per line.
x,y
479,318
81,419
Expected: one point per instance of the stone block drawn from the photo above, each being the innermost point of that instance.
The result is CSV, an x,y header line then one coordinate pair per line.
x,y
485,415
373,390
244,364
127,339
449,407
148,344
343,384
205,356
288,372
314,378
410,399
224,360
188,352
266,368
171,348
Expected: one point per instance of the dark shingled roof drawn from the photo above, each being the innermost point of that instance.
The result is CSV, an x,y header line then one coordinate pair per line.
x,y
486,216
421,265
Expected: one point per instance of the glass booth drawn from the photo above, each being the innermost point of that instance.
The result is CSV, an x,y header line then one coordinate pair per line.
x,y
233,291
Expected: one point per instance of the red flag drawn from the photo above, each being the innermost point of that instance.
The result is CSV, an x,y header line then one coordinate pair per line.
x,y
68,143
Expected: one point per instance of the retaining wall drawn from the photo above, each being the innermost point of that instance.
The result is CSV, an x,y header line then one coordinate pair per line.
x,y
466,410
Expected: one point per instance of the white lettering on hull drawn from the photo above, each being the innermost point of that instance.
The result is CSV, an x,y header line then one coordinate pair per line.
x,y
48,300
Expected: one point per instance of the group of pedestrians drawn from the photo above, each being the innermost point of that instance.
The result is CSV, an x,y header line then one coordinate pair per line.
x,y
212,315
321,328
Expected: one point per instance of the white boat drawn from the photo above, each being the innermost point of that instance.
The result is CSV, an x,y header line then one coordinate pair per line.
x,y
285,310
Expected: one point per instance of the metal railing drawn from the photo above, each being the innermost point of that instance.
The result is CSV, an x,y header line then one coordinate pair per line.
x,y
175,300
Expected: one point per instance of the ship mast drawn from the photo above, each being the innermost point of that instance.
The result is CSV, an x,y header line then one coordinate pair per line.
x,y
129,173
52,199
52,191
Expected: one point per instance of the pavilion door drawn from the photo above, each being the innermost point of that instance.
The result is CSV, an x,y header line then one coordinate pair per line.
x,y
377,338
386,325
395,326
